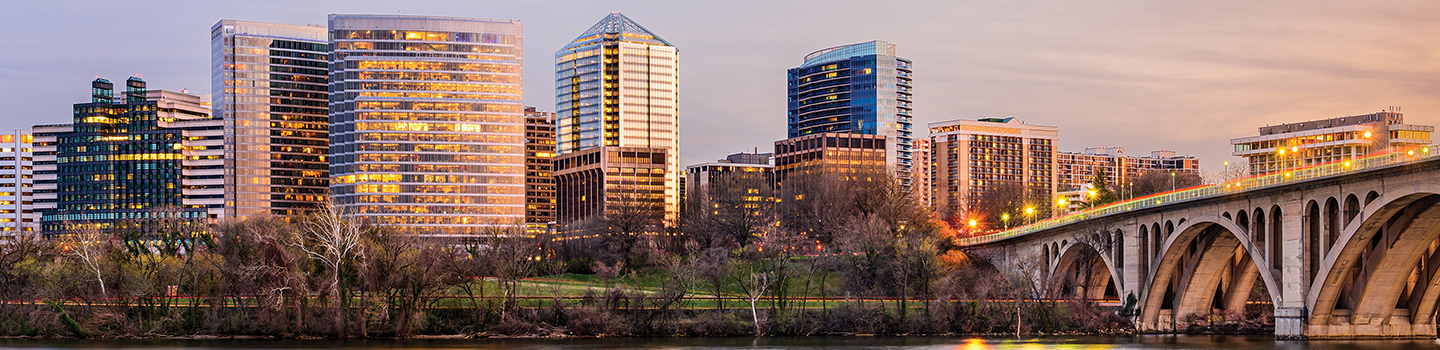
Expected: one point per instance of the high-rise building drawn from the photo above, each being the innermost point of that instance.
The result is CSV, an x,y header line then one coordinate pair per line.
x,y
427,122
622,183
1298,145
135,155
859,88
270,87
616,86
848,157
46,185
1078,168
539,170
975,156
921,173
17,212
750,169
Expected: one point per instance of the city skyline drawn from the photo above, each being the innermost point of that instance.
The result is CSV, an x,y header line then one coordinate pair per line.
x,y
1108,74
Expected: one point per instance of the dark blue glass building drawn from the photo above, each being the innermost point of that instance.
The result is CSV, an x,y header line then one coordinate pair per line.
x,y
858,88
119,161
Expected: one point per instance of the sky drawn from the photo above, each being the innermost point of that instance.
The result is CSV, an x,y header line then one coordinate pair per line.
x,y
1185,76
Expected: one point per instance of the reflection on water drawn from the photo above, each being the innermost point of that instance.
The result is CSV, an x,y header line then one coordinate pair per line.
x,y
793,343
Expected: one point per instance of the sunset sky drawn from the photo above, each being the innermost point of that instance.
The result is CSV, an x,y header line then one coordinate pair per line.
x,y
1185,76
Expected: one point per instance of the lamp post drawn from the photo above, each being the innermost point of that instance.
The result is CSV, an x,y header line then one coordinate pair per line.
x,y
1227,171
1060,206
1030,215
1172,181
1005,218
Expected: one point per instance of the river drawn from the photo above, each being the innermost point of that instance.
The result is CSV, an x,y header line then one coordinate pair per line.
x,y
777,343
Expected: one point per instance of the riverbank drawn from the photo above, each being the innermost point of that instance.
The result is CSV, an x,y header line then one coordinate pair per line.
x,y
1029,342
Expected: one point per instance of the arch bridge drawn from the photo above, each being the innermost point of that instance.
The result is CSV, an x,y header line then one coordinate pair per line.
x,y
1345,250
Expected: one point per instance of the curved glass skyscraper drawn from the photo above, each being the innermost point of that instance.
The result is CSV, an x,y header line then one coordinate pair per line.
x,y
427,123
858,88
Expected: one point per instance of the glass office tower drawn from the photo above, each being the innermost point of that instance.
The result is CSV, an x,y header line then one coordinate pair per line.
x,y
615,85
126,157
427,130
269,84
858,88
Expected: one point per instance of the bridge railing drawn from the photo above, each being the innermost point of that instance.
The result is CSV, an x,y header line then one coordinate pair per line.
x,y
1205,191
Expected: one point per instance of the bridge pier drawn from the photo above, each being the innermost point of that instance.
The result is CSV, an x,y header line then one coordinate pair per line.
x,y
1290,323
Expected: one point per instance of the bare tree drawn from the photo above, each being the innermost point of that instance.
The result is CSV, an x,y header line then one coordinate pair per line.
x,y
819,204
513,256
89,245
1157,181
755,286
999,205
330,238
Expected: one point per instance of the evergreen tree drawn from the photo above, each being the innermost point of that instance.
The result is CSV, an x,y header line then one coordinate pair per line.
x,y
1100,189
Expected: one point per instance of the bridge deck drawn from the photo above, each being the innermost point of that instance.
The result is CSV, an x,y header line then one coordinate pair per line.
x,y
1278,178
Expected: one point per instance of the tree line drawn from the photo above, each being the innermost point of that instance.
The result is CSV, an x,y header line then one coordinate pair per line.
x,y
825,254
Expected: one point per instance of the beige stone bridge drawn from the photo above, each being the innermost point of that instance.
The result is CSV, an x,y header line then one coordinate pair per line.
x,y
1341,251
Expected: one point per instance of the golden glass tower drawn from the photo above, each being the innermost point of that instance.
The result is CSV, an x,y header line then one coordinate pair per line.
x,y
269,83
427,128
616,86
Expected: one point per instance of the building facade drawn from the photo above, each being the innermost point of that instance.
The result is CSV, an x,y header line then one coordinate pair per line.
x,y
620,183
1298,145
17,185
975,156
859,88
750,169
539,171
616,86
920,173
126,157
848,157
269,84
427,122
1078,168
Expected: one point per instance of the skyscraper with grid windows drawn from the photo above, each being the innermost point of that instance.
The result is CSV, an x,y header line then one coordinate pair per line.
x,y
616,87
270,86
427,123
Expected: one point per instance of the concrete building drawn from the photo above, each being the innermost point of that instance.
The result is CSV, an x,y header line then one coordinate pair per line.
x,y
17,211
735,167
973,156
427,123
1302,144
539,171
850,157
1078,168
861,88
626,183
616,86
922,178
270,86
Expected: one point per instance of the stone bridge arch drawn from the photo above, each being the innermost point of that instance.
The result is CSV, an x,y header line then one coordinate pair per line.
x,y
1381,279
1096,279
1190,269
